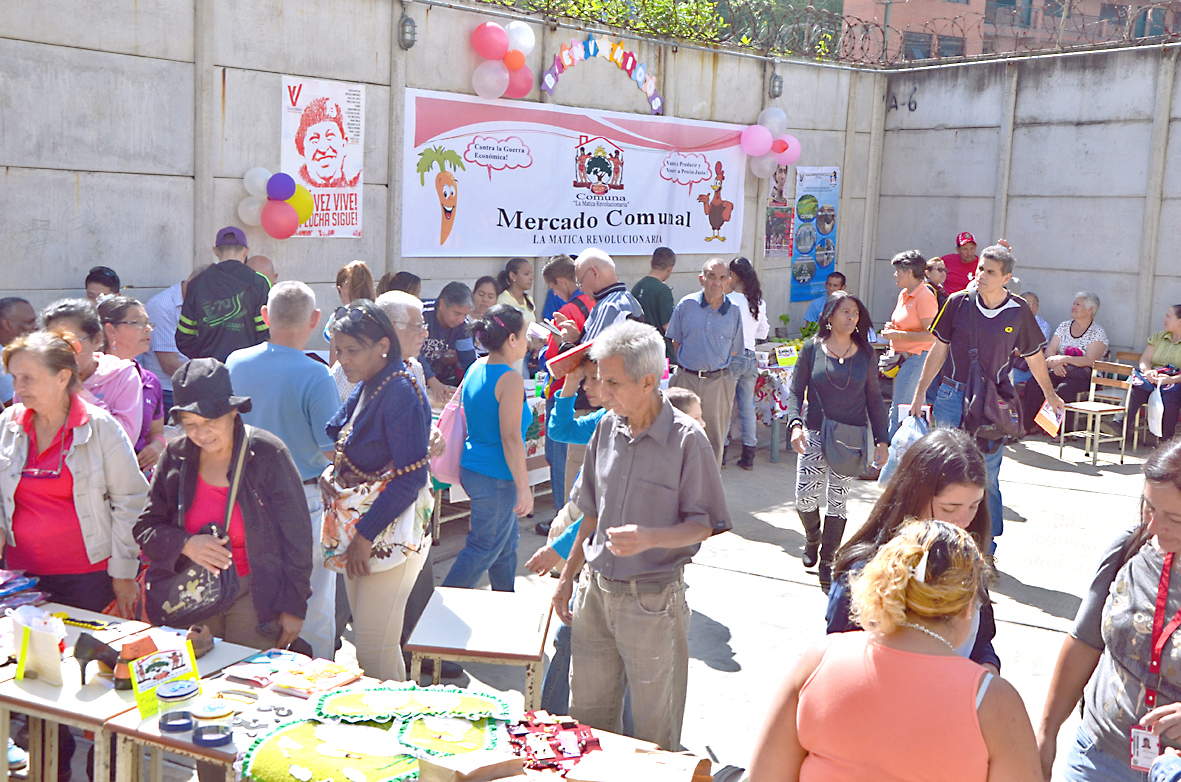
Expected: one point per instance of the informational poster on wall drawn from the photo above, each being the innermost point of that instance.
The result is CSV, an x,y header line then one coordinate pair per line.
x,y
323,149
501,178
777,243
814,254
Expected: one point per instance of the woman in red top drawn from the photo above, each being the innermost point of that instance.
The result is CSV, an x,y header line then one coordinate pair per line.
x,y
70,486
896,702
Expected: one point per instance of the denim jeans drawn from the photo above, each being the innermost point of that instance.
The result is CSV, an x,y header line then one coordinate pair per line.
x,y
492,543
555,454
949,409
1087,763
745,369
905,383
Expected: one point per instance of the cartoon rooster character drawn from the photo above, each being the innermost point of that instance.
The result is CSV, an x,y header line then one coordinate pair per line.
x,y
717,210
445,184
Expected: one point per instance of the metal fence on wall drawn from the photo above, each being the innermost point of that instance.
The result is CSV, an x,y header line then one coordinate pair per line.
x,y
781,29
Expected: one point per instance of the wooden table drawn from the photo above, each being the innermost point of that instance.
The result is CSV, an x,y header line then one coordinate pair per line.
x,y
476,625
87,707
134,734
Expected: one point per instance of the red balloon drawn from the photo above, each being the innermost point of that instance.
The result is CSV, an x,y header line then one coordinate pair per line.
x,y
279,219
520,83
490,41
515,60
778,145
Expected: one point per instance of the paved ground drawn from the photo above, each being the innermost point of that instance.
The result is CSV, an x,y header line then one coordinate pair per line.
x,y
755,608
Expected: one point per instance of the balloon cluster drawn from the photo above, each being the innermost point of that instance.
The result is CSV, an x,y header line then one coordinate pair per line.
x,y
505,48
276,203
768,144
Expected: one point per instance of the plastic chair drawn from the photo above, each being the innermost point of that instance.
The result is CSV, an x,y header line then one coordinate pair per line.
x,y
1106,376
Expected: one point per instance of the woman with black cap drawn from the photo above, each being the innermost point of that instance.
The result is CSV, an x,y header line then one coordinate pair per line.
x,y
269,529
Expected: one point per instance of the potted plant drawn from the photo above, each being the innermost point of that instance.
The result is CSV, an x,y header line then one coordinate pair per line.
x,y
781,331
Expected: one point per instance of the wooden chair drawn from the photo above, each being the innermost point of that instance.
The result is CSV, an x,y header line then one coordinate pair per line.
x,y
1108,377
1140,423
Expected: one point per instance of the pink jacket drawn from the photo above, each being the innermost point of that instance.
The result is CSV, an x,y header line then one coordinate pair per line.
x,y
116,387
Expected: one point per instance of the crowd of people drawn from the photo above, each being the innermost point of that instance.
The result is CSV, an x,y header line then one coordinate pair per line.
x,y
197,429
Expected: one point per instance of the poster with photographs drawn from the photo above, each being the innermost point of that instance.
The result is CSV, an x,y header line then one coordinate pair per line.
x,y
814,251
323,150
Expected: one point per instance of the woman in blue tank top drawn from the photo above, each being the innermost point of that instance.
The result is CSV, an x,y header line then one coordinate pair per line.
x,y
492,467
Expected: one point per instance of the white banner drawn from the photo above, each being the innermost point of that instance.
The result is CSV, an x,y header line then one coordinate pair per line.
x,y
323,149
505,177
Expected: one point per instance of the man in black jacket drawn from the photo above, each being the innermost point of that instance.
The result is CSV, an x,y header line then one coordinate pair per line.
x,y
222,310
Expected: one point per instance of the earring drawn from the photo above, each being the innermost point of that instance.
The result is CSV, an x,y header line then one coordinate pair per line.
x,y
384,355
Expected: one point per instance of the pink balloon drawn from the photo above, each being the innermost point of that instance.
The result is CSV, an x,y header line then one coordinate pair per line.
x,y
279,219
490,41
520,83
791,154
756,141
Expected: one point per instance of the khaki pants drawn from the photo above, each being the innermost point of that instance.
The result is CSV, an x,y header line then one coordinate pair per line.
x,y
378,601
717,400
239,625
574,456
627,640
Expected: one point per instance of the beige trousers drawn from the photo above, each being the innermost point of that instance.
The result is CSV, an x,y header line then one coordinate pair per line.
x,y
239,625
717,400
574,456
378,601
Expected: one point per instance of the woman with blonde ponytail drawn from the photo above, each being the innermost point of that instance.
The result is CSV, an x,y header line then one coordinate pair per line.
x,y
896,702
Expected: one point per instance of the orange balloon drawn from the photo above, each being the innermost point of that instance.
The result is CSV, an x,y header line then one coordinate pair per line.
x,y
778,146
515,60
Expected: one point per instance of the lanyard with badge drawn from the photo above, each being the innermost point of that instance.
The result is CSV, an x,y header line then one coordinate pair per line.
x,y
1145,746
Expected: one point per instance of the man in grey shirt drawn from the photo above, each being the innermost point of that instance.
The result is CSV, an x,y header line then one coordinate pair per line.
x,y
650,492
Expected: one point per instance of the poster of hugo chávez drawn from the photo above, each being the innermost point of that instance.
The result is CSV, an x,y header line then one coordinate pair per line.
x,y
323,150
814,251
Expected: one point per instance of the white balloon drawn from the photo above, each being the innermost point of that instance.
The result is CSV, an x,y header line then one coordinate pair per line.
x,y
773,119
764,165
520,36
256,182
250,210
490,79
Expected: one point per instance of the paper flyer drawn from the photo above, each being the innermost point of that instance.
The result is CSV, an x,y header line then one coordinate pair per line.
x,y
152,670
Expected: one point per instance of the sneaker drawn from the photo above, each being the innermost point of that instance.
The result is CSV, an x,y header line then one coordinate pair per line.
x,y
17,757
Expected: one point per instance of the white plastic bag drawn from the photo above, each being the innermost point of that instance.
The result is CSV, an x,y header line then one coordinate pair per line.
x,y
1155,410
909,430
36,619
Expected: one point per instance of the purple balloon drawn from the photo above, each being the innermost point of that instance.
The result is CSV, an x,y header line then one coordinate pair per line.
x,y
280,187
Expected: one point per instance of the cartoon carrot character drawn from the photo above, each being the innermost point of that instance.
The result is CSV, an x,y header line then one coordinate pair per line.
x,y
445,183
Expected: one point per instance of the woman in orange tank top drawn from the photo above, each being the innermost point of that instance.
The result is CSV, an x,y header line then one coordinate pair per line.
x,y
895,703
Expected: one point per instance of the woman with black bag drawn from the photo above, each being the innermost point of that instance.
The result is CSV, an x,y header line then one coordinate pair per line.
x,y
224,468
837,375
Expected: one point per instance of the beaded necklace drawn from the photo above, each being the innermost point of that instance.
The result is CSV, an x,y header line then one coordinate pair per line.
x,y
391,472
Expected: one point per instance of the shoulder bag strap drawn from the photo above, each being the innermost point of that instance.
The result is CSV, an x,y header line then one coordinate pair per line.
x,y
237,479
973,353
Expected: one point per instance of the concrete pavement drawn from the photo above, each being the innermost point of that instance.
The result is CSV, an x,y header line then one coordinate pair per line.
x,y
755,608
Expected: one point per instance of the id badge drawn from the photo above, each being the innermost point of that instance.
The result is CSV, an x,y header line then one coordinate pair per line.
x,y
1145,748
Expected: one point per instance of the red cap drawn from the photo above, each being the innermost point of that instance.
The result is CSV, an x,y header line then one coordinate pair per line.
x,y
964,238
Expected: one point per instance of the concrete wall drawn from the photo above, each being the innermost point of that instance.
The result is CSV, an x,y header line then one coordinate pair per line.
x,y
129,124
1072,158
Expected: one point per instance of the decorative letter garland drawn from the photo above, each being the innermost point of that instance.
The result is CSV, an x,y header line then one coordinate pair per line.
x,y
577,51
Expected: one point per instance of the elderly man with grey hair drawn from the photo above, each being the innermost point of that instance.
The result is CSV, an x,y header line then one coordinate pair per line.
x,y
650,492
594,273
706,330
292,397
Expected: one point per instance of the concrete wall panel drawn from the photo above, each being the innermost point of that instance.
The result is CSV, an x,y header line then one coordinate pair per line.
x,y
1077,234
853,181
1168,258
713,86
249,117
1080,160
147,28
1172,184
959,163
1090,87
138,225
92,111
929,224
328,39
814,98
948,97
